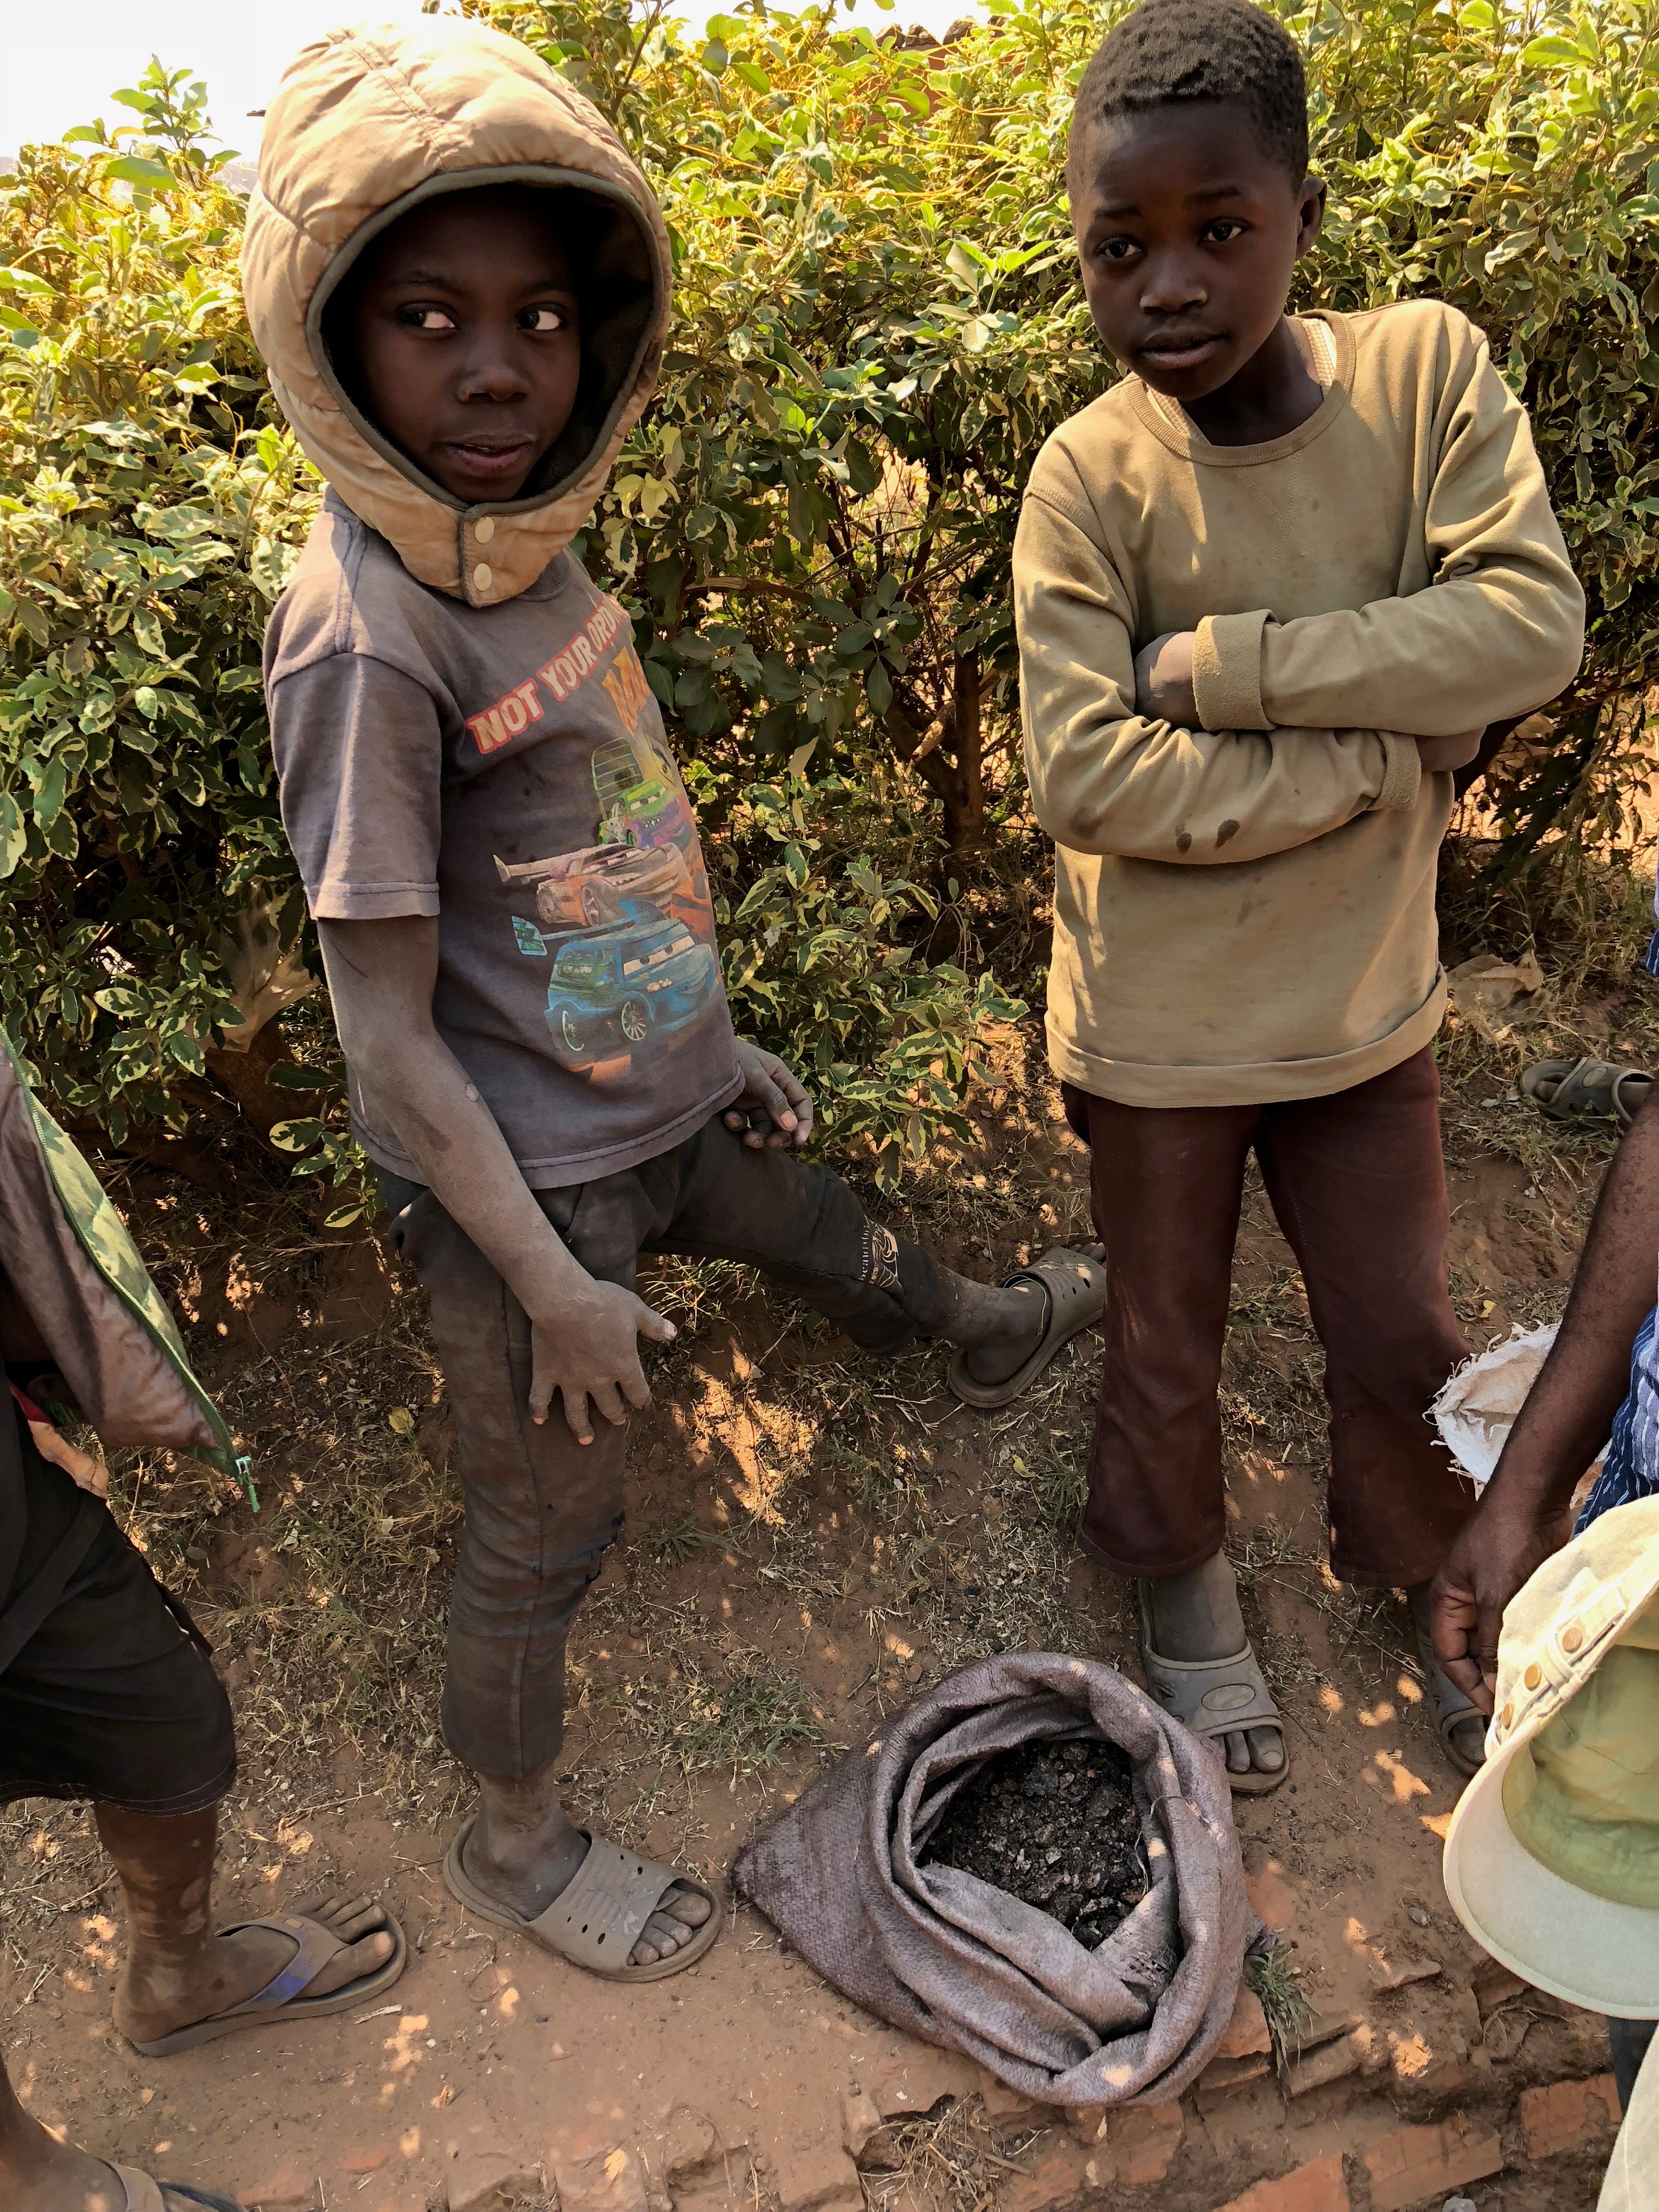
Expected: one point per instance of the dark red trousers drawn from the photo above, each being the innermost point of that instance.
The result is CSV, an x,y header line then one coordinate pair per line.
x,y
1357,1184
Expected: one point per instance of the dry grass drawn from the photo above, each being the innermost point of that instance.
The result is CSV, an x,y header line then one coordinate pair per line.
x,y
948,2161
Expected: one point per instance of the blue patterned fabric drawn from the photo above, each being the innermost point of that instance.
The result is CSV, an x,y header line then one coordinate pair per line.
x,y
1630,1470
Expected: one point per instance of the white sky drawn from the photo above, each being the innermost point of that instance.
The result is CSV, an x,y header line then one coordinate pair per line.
x,y
62,62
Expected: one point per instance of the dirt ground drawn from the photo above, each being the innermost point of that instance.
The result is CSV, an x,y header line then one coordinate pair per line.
x,y
812,1538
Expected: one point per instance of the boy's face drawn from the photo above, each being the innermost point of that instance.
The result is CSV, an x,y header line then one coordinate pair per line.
x,y
464,322
1187,231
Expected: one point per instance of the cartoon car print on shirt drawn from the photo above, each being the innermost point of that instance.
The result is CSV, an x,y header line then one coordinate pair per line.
x,y
601,883
612,989
637,800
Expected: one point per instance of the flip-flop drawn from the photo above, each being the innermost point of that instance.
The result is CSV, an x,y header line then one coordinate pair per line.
x,y
600,1912
1074,1284
144,2195
1587,1089
1215,1698
283,1997
1451,1705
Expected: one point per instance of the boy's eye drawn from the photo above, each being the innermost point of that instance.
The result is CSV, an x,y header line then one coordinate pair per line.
x,y
547,320
1223,230
429,319
1116,249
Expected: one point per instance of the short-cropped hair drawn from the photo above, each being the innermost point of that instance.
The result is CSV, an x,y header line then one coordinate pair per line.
x,y
1166,52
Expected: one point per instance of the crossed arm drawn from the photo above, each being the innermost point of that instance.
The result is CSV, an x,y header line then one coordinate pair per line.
x,y
1164,690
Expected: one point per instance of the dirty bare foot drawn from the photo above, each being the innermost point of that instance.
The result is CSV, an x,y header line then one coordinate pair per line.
x,y
159,1991
1195,1617
523,1850
997,1325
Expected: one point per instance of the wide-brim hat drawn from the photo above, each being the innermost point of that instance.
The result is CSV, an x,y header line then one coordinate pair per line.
x,y
1551,1859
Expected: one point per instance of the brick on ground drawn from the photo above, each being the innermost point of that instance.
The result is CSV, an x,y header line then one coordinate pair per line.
x,y
1415,2165
817,2177
1144,2140
1246,2031
1063,2172
1562,2115
597,2176
1319,2187
288,2185
491,2181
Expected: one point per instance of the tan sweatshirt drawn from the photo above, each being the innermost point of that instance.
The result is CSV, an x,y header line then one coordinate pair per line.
x,y
1246,912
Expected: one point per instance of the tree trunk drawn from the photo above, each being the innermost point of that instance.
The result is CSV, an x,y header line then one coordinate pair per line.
x,y
964,813
952,766
246,1077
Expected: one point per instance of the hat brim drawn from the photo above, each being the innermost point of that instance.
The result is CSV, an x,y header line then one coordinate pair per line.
x,y
1585,1948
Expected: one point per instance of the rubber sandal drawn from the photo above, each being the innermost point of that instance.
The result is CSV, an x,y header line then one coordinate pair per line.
x,y
1587,1089
144,2195
283,1997
1451,1705
599,1913
1215,1698
1074,1285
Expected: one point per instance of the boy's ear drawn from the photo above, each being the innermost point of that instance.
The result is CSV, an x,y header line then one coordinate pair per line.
x,y
1309,213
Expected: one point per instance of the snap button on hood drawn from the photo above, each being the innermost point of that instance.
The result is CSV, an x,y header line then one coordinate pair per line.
x,y
370,121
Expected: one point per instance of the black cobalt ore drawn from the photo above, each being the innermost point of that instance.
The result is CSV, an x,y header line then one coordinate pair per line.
x,y
1055,1825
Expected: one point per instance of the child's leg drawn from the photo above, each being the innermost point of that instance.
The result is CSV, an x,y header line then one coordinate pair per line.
x,y
1357,1181
541,1512
804,1228
1167,1184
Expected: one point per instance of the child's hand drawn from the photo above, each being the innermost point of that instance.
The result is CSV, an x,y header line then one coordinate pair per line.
x,y
770,1093
1438,755
1163,680
587,1347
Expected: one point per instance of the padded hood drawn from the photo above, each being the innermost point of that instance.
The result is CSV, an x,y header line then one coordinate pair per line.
x,y
367,122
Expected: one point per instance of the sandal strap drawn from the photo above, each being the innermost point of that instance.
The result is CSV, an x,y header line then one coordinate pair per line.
x,y
1068,1279
143,2194
317,1946
598,1917
1214,1697
1589,1089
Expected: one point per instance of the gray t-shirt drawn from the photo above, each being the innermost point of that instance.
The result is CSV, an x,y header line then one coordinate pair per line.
x,y
506,770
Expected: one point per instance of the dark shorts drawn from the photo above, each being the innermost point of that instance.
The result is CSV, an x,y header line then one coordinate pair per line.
x,y
113,1696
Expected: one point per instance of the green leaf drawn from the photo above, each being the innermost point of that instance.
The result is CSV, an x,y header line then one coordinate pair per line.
x,y
13,837
1550,52
134,169
296,1136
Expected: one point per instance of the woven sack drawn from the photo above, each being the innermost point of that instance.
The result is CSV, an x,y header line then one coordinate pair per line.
x,y
964,1964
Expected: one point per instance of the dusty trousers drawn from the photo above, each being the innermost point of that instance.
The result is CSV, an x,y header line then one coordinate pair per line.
x,y
542,1510
1356,1181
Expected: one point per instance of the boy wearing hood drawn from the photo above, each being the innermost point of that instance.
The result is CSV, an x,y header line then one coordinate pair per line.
x,y
461,284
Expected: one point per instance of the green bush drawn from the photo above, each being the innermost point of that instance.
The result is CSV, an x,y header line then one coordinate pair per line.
x,y
146,509
880,322
879,325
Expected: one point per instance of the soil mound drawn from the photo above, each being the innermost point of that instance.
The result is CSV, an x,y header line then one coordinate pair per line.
x,y
1055,1825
